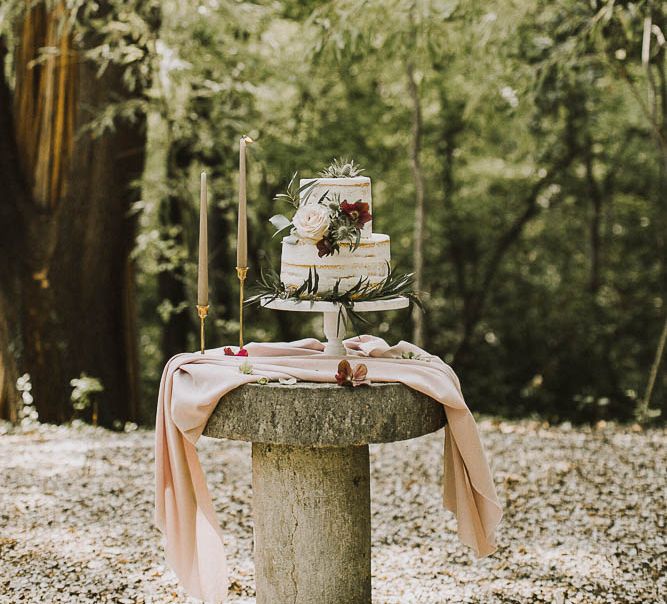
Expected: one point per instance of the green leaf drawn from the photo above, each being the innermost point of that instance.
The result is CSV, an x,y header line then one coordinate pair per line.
x,y
308,189
269,286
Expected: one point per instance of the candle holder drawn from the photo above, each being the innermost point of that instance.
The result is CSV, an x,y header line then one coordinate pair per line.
x,y
241,273
202,311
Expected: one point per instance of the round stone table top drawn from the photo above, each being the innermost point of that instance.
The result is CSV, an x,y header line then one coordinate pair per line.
x,y
324,415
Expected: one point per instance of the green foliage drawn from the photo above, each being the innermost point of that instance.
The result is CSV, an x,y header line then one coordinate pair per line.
x,y
270,287
546,270
292,194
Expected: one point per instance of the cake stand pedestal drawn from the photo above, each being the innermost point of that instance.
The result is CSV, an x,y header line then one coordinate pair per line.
x,y
334,329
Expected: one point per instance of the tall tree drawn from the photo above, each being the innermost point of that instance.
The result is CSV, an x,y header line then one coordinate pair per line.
x,y
628,41
73,132
419,225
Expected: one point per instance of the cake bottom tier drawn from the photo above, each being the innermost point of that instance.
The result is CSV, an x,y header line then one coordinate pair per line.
x,y
370,261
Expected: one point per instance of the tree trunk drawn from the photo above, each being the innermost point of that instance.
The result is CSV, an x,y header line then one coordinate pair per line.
x,y
643,412
171,283
418,175
452,124
473,311
11,260
70,235
658,122
596,220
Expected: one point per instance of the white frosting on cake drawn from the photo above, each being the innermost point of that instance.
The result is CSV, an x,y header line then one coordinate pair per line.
x,y
350,189
370,260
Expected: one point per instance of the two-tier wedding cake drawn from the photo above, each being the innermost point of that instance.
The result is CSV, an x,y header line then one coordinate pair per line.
x,y
332,233
331,261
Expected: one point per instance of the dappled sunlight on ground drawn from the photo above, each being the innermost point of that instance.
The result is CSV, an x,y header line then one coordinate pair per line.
x,y
584,518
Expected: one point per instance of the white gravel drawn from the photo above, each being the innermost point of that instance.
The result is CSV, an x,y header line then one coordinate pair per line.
x,y
584,518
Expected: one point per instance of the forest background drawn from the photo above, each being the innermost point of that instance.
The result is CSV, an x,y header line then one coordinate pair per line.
x,y
518,154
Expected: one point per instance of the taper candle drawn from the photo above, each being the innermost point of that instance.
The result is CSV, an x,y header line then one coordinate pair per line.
x,y
242,237
202,276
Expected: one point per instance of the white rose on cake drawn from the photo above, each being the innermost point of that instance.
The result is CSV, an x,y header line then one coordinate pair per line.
x,y
311,221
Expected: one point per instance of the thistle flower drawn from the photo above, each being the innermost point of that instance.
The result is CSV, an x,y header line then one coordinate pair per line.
x,y
341,168
345,232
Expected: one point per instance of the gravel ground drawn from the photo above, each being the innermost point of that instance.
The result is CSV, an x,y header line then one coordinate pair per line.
x,y
584,518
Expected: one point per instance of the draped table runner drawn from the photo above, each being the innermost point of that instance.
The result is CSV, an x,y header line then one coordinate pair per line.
x,y
193,384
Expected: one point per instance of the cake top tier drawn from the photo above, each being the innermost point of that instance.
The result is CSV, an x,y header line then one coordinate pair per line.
x,y
339,190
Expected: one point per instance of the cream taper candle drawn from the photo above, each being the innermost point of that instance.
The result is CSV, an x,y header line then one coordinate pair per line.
x,y
202,275
242,238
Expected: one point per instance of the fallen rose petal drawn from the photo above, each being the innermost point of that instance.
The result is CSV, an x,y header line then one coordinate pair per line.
x,y
360,372
344,375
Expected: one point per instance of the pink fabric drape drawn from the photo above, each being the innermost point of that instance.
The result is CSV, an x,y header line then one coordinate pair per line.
x,y
193,384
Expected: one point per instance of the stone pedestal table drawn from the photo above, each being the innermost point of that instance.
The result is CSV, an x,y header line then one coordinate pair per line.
x,y
311,482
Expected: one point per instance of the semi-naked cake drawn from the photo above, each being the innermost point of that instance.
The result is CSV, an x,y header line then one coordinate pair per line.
x,y
333,234
350,189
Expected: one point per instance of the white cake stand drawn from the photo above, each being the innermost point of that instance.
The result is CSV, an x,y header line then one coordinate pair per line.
x,y
333,330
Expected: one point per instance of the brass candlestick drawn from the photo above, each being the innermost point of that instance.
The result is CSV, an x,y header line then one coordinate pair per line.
x,y
202,311
241,272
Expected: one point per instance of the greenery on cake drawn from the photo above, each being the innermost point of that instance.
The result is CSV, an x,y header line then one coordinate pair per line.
x,y
292,194
269,287
341,168
327,221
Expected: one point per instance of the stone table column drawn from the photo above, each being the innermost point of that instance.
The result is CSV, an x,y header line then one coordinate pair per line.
x,y
311,480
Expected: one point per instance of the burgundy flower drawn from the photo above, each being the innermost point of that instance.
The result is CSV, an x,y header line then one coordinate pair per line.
x,y
230,353
325,247
357,212
347,376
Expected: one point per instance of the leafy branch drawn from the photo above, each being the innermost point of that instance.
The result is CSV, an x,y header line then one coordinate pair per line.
x,y
269,287
292,194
